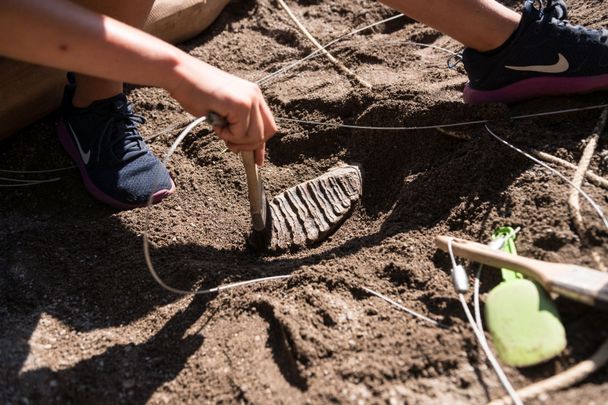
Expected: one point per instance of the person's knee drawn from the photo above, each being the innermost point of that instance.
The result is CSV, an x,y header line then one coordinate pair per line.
x,y
132,12
179,20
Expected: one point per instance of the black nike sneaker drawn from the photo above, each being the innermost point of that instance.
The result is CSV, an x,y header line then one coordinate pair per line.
x,y
545,56
117,167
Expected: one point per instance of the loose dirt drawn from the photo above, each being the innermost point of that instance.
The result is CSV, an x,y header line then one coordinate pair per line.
x,y
81,321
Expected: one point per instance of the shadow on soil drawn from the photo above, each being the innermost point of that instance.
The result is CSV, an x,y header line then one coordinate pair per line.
x,y
87,280
85,268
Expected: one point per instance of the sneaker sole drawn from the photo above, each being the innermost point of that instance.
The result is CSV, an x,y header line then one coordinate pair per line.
x,y
537,87
70,148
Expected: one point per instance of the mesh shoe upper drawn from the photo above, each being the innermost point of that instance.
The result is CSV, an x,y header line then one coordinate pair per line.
x,y
546,55
116,164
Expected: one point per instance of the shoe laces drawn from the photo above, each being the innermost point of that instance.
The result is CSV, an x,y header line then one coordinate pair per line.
x,y
556,9
553,9
121,134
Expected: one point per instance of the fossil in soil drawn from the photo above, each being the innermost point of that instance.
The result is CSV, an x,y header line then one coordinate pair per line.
x,y
311,211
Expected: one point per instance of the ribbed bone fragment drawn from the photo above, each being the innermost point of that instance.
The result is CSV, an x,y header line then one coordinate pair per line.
x,y
307,220
291,218
332,196
281,237
315,212
318,196
309,212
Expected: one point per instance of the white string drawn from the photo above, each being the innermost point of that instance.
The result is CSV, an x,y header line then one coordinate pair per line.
x,y
451,253
502,377
439,48
403,308
168,129
437,126
369,43
9,179
61,169
26,183
590,200
30,182
375,128
476,301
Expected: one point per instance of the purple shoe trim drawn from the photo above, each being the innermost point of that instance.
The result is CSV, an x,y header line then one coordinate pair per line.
x,y
69,146
537,87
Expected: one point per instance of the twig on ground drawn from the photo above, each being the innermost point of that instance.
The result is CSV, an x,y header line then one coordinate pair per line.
x,y
454,134
312,39
573,200
563,380
591,177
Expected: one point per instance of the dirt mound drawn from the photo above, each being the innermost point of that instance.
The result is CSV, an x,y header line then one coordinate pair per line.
x,y
82,321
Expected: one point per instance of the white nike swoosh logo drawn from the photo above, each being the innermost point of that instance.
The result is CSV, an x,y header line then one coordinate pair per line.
x,y
85,156
561,66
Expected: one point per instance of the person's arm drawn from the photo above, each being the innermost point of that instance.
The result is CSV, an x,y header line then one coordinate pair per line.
x,y
63,35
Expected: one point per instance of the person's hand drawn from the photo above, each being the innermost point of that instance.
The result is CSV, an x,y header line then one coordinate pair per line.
x,y
203,89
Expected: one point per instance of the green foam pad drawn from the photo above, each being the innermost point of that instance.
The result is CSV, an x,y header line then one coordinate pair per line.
x,y
524,323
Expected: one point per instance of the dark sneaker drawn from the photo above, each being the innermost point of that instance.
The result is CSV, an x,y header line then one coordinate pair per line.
x,y
545,56
116,165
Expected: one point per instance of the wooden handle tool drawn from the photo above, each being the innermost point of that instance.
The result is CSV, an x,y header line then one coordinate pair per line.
x,y
575,282
255,186
255,189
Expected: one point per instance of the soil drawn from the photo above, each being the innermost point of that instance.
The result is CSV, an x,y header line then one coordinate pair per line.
x,y
81,320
